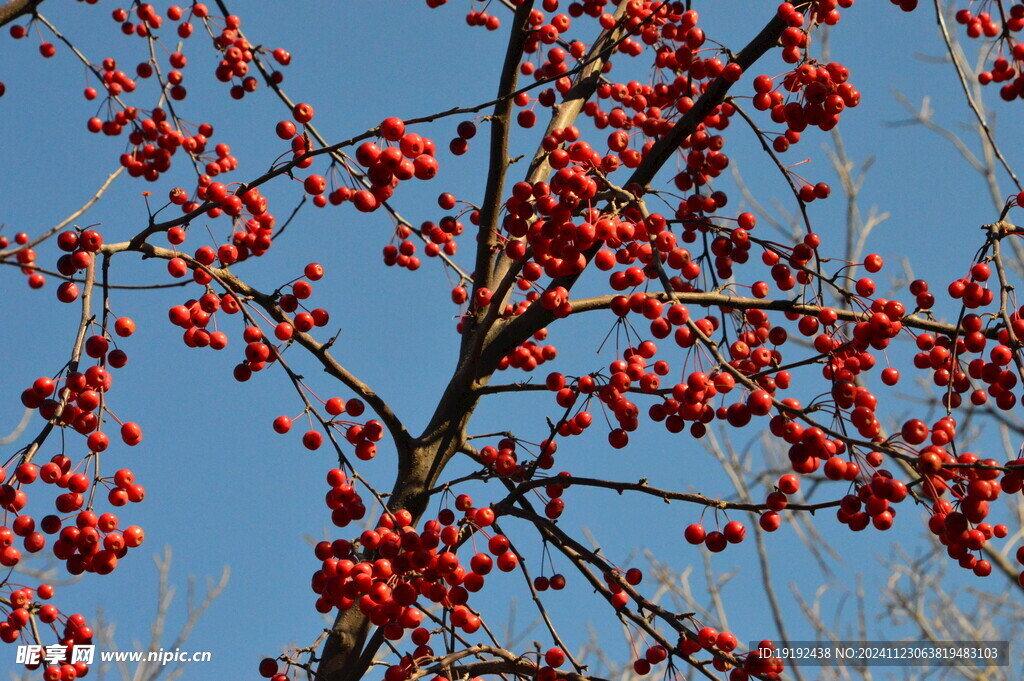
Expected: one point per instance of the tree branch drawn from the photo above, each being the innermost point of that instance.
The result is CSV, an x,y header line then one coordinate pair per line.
x,y
644,488
723,300
500,123
536,317
69,219
316,348
12,9
664,148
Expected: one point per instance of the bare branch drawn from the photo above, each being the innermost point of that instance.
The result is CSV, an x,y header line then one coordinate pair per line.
x,y
69,219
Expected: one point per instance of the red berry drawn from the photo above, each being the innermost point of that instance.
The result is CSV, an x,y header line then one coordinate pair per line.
x,y
392,129
695,534
303,113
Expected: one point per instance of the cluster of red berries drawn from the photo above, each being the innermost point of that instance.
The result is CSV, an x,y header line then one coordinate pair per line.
x,y
466,130
231,204
74,631
363,436
409,155
688,401
252,236
149,19
950,367
26,257
963,536
729,250
555,505
556,63
93,543
924,298
259,352
195,315
566,396
759,662
504,461
972,289
706,639
481,18
290,302
81,399
529,355
80,248
543,31
440,237
346,505
116,82
733,533
19,613
156,141
236,55
407,564
824,92
404,254
705,161
873,501
778,499
46,48
540,217
1002,28
223,162
709,638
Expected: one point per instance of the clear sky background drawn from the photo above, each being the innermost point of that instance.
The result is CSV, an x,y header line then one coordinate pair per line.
x,y
224,489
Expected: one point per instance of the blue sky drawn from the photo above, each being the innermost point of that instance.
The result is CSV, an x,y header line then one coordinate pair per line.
x,y
224,489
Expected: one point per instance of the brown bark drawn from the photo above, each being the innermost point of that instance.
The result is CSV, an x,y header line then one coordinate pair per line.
x,y
346,655
12,9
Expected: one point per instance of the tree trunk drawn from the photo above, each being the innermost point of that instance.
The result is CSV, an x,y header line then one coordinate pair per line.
x,y
346,654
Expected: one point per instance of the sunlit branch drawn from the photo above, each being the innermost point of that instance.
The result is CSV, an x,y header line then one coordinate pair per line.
x,y
68,220
975,109
76,355
722,300
79,280
267,302
500,125
666,495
